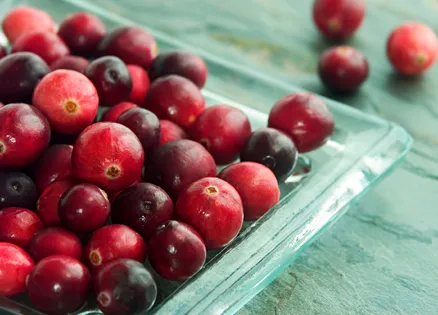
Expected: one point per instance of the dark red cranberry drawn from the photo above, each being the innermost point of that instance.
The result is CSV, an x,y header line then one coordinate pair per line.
x,y
74,63
15,266
140,84
58,285
108,155
82,32
142,207
412,48
177,164
112,195
305,118
3,51
17,190
175,98
55,241
271,148
182,63
338,19
112,114
132,44
176,251
214,208
170,131
223,131
112,242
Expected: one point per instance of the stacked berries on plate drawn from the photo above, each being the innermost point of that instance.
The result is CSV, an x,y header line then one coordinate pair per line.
x,y
86,199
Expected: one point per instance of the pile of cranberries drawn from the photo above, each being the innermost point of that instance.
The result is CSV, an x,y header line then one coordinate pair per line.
x,y
86,200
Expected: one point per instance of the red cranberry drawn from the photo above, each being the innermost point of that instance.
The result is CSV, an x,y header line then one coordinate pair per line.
x,y
111,78
84,208
182,63
214,208
271,148
15,266
175,98
170,131
55,241
58,285
132,44
82,32
305,118
75,63
24,135
142,207
140,84
18,226
108,155
176,251
114,112
223,131
412,48
124,286
3,51
17,190
112,195
177,164
47,205
144,124
338,19
112,242
23,20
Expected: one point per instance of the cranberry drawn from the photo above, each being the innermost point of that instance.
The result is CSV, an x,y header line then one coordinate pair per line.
x,y
170,131
175,98
214,208
108,155
132,44
182,63
140,84
112,242
142,207
114,112
23,20
111,78
24,135
75,63
144,124
58,285
17,190
3,51
15,266
112,195
305,118
271,148
223,131
412,48
47,205
55,241
338,19
176,251
177,164
82,32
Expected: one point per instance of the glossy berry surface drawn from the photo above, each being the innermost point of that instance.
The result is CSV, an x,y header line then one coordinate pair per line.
x,y
75,63
169,131
176,251
17,190
305,118
113,113
214,208
140,84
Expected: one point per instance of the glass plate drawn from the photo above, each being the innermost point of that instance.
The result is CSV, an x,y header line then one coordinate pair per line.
x,y
324,184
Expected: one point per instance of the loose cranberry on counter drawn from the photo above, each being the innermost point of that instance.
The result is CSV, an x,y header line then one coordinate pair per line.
x,y
140,84
223,131
175,98
338,19
177,164
182,63
3,51
412,48
15,266
214,208
108,155
170,132
17,190
176,251
58,285
24,135
124,286
305,118
113,113
75,63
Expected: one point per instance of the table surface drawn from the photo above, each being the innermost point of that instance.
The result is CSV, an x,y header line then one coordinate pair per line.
x,y
382,256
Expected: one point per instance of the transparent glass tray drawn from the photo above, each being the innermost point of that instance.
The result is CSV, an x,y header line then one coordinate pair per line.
x,y
324,184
